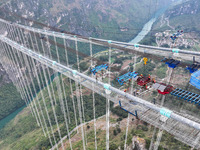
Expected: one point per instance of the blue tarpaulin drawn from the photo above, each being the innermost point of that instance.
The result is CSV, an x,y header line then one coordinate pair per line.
x,y
195,79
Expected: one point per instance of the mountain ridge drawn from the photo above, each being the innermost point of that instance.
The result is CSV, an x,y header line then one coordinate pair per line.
x,y
184,16
83,17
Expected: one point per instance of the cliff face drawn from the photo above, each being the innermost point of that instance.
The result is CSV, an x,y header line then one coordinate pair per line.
x,y
3,76
88,17
191,7
184,16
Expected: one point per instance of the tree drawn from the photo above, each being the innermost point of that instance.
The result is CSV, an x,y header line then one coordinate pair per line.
x,y
114,132
113,146
118,130
121,113
148,141
119,119
129,139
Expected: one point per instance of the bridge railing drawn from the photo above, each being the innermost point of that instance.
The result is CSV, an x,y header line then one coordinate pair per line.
x,y
60,68
61,52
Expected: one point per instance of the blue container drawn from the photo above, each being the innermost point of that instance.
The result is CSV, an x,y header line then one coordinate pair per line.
x,y
195,79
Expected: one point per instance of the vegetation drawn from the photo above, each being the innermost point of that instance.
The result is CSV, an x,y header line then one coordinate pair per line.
x,y
181,18
165,45
23,133
117,111
137,129
27,134
83,66
20,137
146,69
150,40
10,100
161,71
120,60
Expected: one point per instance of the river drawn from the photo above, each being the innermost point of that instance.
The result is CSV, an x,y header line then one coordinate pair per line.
x,y
7,119
146,29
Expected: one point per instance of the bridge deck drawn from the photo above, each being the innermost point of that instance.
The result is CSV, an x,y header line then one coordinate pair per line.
x,y
182,132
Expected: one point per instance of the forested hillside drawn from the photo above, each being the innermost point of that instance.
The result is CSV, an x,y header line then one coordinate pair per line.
x,y
114,19
184,16
10,99
23,133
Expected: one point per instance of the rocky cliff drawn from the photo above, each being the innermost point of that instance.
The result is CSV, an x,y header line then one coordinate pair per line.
x,y
111,19
184,16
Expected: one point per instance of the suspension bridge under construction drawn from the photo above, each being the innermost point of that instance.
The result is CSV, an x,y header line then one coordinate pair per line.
x,y
29,55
